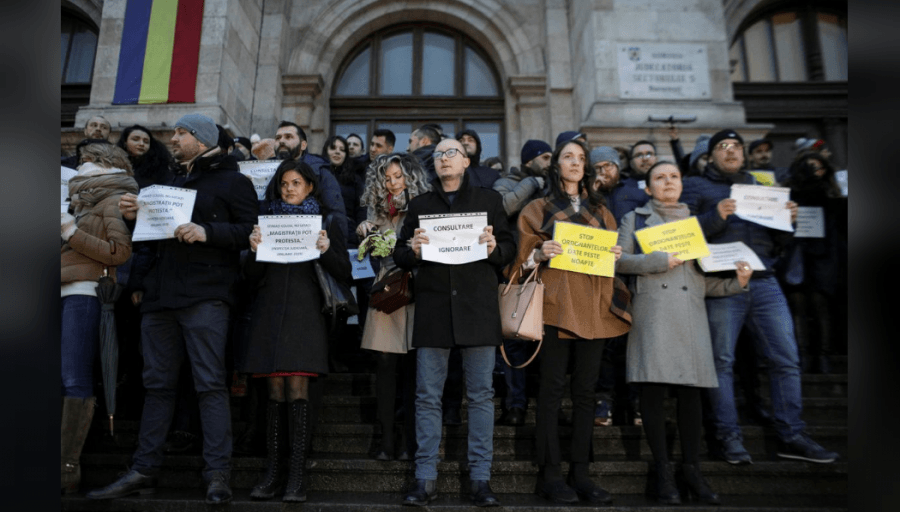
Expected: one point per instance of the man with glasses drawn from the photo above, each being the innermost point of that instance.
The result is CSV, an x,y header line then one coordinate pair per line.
x,y
763,309
456,306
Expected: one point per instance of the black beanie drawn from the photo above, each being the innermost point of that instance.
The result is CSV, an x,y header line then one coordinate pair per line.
x,y
722,135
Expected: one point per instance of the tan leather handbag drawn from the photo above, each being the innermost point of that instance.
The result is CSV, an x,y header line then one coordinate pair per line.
x,y
522,311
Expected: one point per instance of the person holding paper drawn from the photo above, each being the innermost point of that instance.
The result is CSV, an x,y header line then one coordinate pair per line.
x,y
581,312
813,186
763,309
456,306
288,341
391,181
95,240
669,347
188,293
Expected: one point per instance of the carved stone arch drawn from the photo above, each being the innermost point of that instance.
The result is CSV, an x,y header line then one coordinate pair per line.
x,y
90,9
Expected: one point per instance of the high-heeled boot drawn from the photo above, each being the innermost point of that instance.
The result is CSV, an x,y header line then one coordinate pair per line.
x,y
77,414
666,492
698,486
276,452
298,417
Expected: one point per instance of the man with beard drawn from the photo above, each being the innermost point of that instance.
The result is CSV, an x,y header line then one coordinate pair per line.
x,y
479,175
764,309
606,164
760,158
421,144
290,142
187,296
96,129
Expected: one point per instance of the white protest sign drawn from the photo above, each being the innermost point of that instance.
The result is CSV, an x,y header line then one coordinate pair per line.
x,y
453,238
810,222
260,173
723,256
67,173
161,209
288,238
763,205
360,269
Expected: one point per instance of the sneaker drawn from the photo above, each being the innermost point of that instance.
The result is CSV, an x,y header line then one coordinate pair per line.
x,y
732,451
804,448
603,413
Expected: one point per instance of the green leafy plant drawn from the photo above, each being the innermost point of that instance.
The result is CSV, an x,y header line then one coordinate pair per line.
x,y
378,244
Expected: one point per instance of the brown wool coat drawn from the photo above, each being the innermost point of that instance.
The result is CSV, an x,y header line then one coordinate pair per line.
x,y
101,240
578,304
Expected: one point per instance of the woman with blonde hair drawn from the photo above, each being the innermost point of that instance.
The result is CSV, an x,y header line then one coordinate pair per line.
x,y
391,182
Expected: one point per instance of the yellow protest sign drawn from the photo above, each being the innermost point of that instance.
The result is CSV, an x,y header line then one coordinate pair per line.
x,y
684,237
766,178
585,249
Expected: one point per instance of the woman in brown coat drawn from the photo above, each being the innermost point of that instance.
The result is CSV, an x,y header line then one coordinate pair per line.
x,y
580,312
95,240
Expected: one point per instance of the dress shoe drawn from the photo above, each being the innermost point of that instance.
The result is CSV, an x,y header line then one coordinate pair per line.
x,y
421,494
452,417
587,490
557,491
515,416
482,495
383,455
218,491
404,455
130,483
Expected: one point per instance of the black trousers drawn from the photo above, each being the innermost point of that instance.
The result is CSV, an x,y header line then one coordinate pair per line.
x,y
555,356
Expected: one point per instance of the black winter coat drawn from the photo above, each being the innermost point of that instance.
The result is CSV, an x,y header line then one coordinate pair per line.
x,y
456,305
183,274
288,331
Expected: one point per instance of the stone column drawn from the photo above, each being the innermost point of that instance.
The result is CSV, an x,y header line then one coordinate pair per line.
x,y
301,104
529,94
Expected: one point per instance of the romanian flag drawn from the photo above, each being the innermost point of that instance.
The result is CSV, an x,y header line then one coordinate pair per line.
x,y
160,52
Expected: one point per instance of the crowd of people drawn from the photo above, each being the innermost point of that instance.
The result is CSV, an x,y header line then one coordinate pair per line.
x,y
211,315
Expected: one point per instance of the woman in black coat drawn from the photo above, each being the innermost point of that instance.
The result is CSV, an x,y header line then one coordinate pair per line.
x,y
288,331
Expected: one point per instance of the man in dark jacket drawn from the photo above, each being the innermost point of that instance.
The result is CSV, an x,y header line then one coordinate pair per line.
x,y
479,175
760,158
763,309
422,143
186,301
96,129
456,305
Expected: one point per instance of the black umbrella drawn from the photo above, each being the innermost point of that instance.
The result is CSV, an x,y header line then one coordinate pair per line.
x,y
108,291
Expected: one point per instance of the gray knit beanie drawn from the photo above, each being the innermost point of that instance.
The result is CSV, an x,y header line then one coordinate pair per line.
x,y
700,149
605,154
201,127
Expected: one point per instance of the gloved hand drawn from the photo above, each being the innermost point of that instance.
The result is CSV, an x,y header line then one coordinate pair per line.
x,y
67,226
540,182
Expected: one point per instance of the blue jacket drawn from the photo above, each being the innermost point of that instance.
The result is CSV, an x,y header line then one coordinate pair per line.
x,y
625,197
703,193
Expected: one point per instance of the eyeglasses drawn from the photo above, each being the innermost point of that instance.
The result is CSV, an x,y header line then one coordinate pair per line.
x,y
644,156
450,153
607,166
725,146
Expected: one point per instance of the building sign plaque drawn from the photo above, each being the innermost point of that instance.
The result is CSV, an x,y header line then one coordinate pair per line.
x,y
663,71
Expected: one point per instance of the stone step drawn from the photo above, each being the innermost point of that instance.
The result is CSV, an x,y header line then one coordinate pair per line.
x,y
331,473
191,500
363,384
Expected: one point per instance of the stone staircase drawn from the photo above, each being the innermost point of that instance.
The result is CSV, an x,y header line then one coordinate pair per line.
x,y
344,476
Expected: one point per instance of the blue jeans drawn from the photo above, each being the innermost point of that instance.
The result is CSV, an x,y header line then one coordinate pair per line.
x,y
200,332
78,344
431,372
517,351
766,314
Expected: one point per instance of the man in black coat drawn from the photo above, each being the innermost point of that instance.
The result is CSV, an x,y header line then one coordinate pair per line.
x,y
456,305
422,143
479,175
187,294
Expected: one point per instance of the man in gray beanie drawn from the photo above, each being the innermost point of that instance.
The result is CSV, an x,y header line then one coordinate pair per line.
x,y
186,292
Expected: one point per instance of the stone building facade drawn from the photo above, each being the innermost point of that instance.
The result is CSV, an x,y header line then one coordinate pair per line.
x,y
557,65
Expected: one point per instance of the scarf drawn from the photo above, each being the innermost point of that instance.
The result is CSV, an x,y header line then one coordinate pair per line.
x,y
309,206
670,213
93,184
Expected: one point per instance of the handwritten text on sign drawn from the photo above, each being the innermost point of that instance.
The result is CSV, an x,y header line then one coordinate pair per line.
x,y
453,238
762,205
260,173
67,173
722,257
684,237
288,238
161,209
585,249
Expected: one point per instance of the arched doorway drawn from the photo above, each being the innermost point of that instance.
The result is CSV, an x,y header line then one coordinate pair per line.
x,y
406,75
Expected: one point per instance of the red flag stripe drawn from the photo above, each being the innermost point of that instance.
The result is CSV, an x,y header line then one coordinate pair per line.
x,y
186,52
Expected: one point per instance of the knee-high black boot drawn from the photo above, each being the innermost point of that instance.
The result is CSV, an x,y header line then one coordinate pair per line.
x,y
385,395
298,417
77,414
276,452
